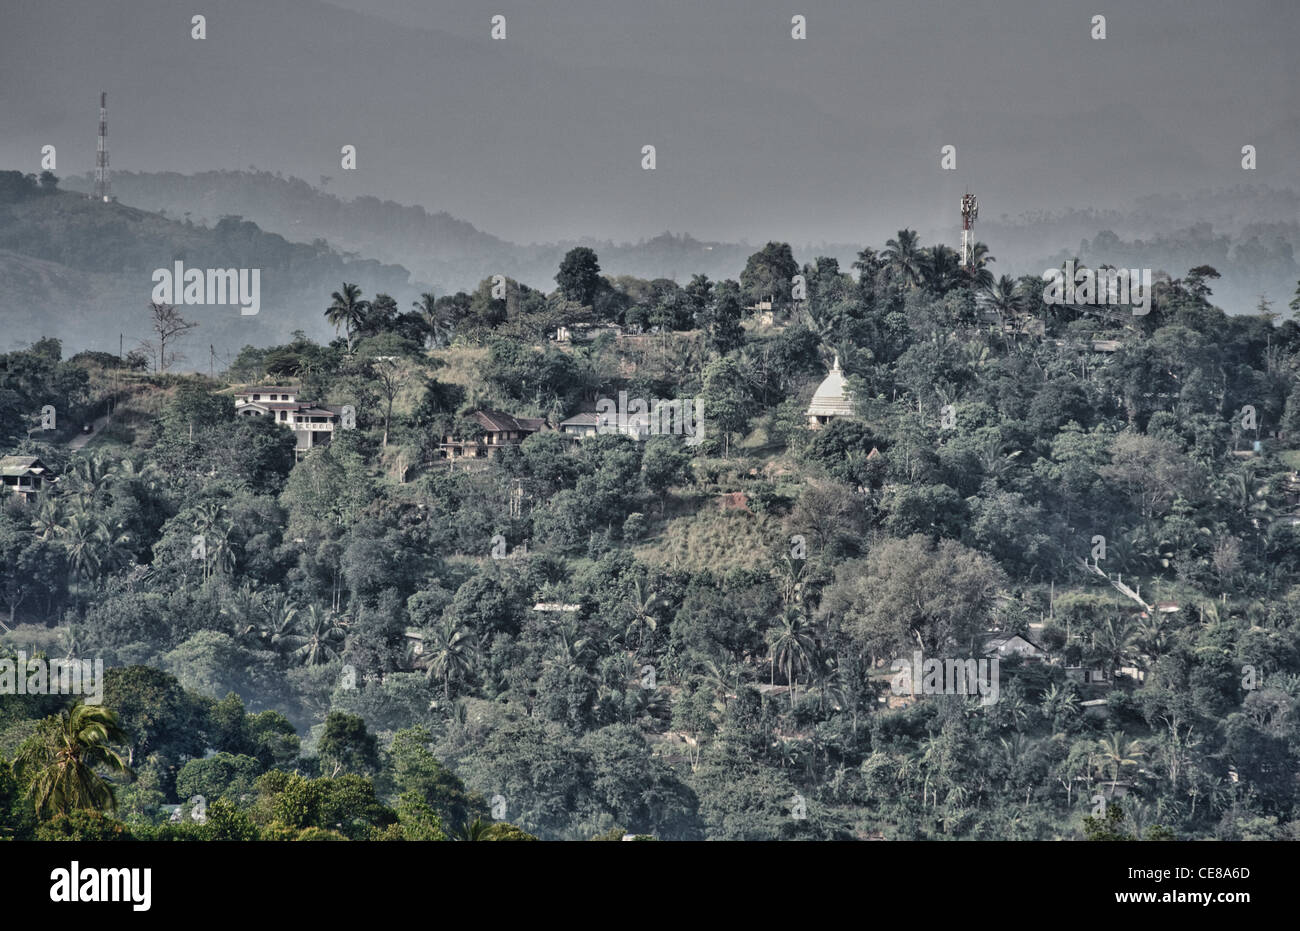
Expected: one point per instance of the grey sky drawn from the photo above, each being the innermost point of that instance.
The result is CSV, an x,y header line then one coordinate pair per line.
x,y
538,137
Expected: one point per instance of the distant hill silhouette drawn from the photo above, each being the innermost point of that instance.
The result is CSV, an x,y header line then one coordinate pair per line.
x,y
81,271
1249,233
450,254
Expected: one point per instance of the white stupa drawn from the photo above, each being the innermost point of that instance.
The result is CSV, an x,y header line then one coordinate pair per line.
x,y
831,399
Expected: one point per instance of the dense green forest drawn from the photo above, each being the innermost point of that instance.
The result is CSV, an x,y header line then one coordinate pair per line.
x,y
596,637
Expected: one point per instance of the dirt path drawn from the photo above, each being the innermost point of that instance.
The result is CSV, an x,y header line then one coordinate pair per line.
x,y
81,439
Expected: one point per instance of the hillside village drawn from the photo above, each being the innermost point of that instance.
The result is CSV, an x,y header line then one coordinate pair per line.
x,y
478,562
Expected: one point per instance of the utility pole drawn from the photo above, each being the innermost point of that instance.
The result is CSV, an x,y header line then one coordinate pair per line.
x,y
112,402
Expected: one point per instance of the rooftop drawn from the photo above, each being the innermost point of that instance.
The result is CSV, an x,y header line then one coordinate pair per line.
x,y
266,389
21,465
499,422
280,405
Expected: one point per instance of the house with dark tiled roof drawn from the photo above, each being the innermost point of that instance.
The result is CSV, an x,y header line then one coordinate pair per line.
x,y
499,431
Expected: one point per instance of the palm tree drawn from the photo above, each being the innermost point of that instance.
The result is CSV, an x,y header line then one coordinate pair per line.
x,y
126,471
904,768
64,755
210,521
49,518
979,273
348,311
88,477
69,637
571,653
791,645
1059,703
451,652
587,374
1013,752
1118,750
867,264
722,679
1004,299
903,258
832,685
1153,636
83,542
472,830
279,628
790,753
1014,710
115,548
321,637
1245,492
441,327
934,756
222,553
789,574
1113,643
649,707
642,602
940,268
848,683
91,547
240,608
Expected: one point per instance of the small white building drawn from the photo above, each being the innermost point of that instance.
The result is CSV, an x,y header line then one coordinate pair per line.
x,y
554,606
1088,675
25,476
1005,645
581,425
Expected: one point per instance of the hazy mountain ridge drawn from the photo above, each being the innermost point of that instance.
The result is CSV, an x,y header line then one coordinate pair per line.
x,y
449,253
1249,233
82,271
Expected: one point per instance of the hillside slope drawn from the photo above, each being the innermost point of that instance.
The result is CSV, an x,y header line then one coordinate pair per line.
x,y
82,271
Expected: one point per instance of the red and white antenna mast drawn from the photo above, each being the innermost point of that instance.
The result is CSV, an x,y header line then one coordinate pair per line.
x,y
101,152
969,211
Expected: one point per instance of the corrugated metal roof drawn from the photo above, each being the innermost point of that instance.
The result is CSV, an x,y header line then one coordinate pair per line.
x,y
21,465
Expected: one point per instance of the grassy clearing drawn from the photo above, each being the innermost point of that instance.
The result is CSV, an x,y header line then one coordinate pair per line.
x,y
462,365
722,540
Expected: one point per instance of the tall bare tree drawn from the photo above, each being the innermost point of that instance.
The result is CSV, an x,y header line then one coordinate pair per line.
x,y
168,327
